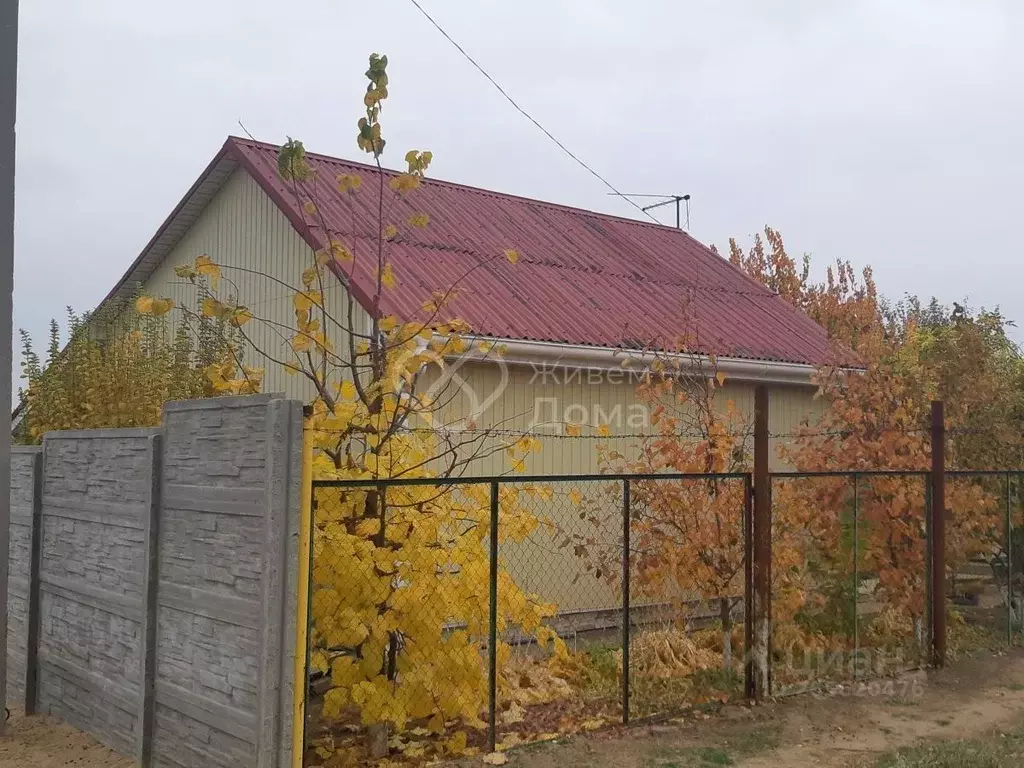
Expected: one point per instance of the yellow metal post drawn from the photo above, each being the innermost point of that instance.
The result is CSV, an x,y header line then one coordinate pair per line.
x,y
301,674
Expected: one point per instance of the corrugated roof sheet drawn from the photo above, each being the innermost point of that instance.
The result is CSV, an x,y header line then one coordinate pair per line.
x,y
582,277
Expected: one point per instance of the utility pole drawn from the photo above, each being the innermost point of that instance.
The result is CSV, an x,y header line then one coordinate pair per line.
x,y
8,110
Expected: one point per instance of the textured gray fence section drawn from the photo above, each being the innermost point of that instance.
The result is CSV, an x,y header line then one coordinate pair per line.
x,y
227,473
153,582
21,603
93,545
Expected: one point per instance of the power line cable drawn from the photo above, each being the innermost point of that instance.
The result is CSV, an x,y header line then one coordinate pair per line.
x,y
530,117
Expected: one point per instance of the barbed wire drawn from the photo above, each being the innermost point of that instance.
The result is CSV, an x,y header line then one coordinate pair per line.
x,y
745,434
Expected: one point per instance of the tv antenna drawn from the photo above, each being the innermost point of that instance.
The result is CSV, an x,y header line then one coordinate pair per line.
x,y
666,200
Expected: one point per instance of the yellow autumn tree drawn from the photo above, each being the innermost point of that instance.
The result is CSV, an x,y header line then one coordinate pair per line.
x,y
400,572
116,369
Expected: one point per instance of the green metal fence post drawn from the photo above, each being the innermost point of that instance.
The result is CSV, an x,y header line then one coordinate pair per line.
x,y
625,601
492,642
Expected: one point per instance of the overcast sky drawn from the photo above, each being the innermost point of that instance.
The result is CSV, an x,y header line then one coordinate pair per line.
x,y
887,133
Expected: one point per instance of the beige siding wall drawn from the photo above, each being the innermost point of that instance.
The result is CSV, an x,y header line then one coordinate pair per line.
x,y
528,400
523,398
263,257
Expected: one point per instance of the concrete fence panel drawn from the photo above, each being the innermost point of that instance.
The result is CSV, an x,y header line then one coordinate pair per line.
x,y
220,610
25,498
153,582
91,574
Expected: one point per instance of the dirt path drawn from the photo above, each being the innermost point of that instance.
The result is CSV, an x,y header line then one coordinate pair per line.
x,y
966,701
44,742
847,728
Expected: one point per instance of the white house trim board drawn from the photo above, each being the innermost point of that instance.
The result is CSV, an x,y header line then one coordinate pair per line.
x,y
572,356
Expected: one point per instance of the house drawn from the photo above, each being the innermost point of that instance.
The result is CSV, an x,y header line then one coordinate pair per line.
x,y
586,287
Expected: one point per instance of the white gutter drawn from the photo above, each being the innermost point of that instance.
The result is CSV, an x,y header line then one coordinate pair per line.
x,y
547,355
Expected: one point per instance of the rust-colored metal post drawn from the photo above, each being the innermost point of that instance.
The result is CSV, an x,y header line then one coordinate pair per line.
x,y
749,689
762,548
938,537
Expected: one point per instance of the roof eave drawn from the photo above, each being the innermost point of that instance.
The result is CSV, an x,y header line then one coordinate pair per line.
x,y
546,355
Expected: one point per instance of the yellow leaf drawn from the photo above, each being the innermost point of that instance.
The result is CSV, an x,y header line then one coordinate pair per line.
x,y
572,430
389,232
512,255
495,758
306,300
575,497
205,266
720,378
347,390
405,182
457,743
240,316
349,182
309,207
309,275
147,305
162,306
210,307
185,270
603,430
387,277
340,252
388,323
419,220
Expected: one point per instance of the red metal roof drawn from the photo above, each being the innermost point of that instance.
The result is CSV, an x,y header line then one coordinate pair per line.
x,y
582,277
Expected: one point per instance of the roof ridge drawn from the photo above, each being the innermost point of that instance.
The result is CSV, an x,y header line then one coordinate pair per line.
x,y
470,188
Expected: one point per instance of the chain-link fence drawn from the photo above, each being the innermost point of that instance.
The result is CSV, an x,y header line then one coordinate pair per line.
x,y
852,572
450,617
985,560
851,580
